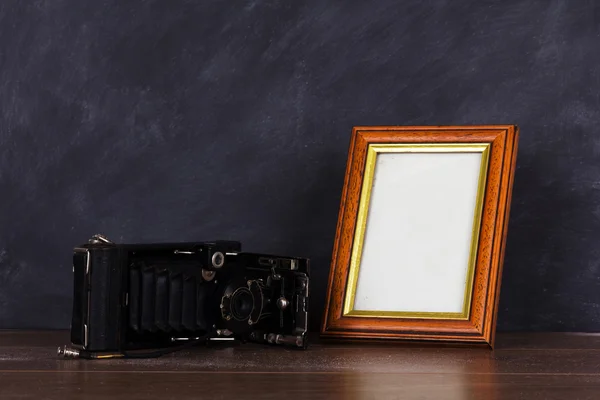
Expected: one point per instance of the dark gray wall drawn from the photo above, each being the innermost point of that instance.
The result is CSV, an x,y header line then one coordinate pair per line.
x,y
180,120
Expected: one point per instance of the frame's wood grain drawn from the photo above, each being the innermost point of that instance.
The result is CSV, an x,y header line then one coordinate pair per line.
x,y
488,269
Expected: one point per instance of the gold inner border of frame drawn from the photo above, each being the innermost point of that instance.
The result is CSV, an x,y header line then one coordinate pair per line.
x,y
361,225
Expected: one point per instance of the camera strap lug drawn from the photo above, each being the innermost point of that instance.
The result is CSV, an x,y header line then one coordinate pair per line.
x,y
99,239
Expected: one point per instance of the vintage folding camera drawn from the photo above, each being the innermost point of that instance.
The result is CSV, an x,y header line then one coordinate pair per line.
x,y
129,297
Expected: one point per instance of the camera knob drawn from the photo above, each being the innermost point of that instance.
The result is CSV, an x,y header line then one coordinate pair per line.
x,y
282,303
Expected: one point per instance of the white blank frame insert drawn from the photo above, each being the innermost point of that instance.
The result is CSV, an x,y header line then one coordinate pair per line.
x,y
416,238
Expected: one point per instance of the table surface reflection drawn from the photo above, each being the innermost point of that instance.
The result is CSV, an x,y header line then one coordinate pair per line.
x,y
523,366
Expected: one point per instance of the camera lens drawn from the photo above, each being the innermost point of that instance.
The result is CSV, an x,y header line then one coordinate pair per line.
x,y
242,304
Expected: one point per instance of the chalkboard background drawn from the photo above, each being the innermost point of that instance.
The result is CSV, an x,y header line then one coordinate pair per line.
x,y
181,120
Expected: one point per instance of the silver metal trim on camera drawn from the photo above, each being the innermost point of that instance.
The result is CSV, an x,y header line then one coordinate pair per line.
x,y
293,340
67,352
208,275
218,259
87,273
183,252
282,303
99,238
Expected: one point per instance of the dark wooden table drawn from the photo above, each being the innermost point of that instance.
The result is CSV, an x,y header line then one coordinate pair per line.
x,y
523,366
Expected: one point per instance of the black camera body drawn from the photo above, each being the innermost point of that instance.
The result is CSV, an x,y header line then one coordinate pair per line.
x,y
140,296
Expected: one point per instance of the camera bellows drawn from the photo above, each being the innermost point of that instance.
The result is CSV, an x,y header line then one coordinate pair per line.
x,y
163,299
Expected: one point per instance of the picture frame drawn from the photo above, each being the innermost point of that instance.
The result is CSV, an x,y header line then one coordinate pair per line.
x,y
421,234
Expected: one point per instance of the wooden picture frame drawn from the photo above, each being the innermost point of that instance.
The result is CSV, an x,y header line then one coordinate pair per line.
x,y
420,257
